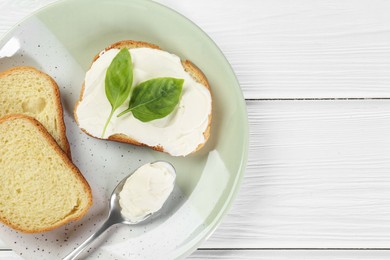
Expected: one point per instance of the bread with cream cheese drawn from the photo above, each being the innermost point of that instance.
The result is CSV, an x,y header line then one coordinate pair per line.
x,y
26,90
41,189
188,66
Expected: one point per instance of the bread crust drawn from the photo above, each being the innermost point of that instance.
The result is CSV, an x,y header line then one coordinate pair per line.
x,y
189,67
57,101
46,135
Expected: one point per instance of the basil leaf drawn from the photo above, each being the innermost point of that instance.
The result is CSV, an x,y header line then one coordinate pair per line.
x,y
118,81
155,98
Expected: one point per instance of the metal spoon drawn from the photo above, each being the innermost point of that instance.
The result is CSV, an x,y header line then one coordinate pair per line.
x,y
114,216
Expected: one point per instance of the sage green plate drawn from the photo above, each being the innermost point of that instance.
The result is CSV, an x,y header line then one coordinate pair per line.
x,y
61,39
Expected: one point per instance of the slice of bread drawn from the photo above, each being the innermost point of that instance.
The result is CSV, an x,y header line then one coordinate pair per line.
x,y
26,90
189,67
40,187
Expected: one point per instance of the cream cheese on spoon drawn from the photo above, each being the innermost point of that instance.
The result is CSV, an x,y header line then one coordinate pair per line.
x,y
146,190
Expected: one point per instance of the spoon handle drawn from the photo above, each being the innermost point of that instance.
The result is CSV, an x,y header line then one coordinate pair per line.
x,y
89,240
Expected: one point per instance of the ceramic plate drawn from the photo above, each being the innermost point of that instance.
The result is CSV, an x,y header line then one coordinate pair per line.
x,y
61,40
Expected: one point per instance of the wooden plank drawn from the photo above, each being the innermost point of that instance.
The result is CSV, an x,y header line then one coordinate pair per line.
x,y
304,48
289,254
318,176
284,49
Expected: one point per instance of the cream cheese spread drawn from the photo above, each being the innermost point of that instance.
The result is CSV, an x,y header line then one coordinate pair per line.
x,y
179,133
146,190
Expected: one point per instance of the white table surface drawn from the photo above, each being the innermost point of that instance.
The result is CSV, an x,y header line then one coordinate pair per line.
x,y
316,76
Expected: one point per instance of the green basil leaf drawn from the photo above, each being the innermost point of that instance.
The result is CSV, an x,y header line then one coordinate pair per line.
x,y
118,81
155,98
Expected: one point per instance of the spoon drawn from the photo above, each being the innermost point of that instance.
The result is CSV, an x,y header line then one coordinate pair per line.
x,y
114,215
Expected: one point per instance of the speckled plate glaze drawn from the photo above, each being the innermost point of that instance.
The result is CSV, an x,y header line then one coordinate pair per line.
x,y
61,40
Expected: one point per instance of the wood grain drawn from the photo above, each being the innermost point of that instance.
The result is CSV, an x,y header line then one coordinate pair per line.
x,y
284,49
300,49
289,255
317,177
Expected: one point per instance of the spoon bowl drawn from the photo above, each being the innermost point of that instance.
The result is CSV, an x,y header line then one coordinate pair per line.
x,y
114,215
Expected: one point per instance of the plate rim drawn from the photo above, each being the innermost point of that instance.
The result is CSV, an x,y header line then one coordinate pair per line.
x,y
241,105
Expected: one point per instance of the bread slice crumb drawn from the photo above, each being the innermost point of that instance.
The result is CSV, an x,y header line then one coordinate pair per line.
x,y
26,90
41,189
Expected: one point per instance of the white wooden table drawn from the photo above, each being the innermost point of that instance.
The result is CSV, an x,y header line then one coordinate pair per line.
x,y
316,76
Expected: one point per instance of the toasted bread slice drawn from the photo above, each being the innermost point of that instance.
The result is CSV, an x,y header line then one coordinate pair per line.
x,y
189,67
40,187
26,90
